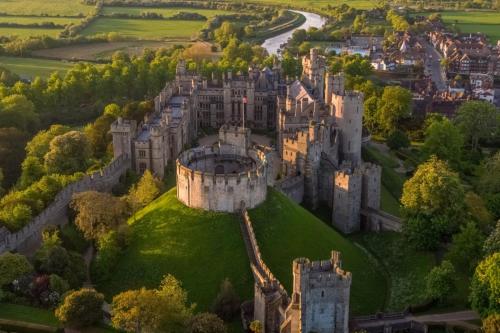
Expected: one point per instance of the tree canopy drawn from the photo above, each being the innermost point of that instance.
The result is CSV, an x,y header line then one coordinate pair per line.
x,y
13,266
68,153
444,140
81,308
485,286
478,120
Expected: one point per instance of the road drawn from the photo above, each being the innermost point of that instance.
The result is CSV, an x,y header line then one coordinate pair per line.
x,y
447,317
433,66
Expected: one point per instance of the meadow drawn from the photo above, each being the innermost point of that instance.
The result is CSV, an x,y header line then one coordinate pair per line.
x,y
286,230
166,12
473,21
39,19
30,67
38,7
27,32
318,4
145,29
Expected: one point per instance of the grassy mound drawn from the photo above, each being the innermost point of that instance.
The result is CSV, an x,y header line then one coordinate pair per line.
x,y
286,231
199,248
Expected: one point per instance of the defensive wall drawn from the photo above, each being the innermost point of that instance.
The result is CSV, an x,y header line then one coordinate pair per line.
x,y
241,179
55,214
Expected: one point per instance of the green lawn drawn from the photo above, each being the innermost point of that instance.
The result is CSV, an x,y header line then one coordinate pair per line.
x,y
146,29
166,12
286,231
199,248
27,314
38,7
31,67
405,267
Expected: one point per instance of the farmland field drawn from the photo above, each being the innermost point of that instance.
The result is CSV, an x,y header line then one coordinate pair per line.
x,y
361,4
95,51
473,21
38,19
26,32
31,67
38,7
145,29
166,12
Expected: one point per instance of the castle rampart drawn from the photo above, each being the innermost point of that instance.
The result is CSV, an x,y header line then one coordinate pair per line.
x,y
55,213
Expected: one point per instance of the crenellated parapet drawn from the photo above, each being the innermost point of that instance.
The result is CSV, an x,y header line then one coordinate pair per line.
x,y
222,178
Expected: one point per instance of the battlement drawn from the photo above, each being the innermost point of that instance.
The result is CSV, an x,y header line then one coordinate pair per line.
x,y
329,270
221,178
123,125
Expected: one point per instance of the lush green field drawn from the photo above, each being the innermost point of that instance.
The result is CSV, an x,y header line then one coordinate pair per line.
x,y
199,248
286,231
27,314
38,19
166,12
474,21
31,67
318,4
146,29
406,268
39,7
27,32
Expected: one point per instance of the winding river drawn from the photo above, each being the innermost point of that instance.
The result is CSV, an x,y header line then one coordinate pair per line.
x,y
272,45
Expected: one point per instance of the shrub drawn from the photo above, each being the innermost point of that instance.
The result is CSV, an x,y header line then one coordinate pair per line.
x,y
81,308
227,303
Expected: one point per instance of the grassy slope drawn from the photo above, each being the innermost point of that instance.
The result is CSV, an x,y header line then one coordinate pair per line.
x,y
199,248
37,7
28,314
30,67
406,268
146,29
286,231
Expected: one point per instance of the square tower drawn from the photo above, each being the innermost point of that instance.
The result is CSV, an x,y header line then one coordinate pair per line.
x,y
347,200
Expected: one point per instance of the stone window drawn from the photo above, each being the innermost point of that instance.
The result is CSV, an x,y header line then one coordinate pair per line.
x,y
142,167
142,153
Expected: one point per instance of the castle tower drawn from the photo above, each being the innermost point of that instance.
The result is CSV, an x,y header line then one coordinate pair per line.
x,y
347,200
320,300
227,100
158,152
328,88
249,108
123,132
339,84
349,117
313,72
372,175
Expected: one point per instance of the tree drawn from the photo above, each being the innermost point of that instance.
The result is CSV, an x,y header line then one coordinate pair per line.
x,y
256,326
68,153
478,120
13,266
370,120
19,112
12,143
466,247
206,323
108,251
161,310
397,140
1,181
489,175
31,171
98,134
394,105
444,140
98,213
145,191
440,282
227,303
492,243
491,324
485,286
81,308
39,144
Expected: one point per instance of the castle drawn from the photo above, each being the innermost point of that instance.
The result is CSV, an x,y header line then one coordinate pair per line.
x,y
316,160
318,126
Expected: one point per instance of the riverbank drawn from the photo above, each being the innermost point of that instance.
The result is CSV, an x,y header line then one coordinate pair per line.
x,y
312,20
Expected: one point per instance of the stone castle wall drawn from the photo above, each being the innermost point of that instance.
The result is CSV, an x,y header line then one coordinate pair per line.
x,y
55,213
221,192
292,187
